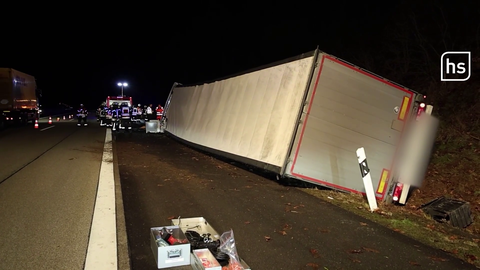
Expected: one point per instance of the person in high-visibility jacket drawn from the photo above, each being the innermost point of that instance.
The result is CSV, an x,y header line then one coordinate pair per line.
x,y
149,112
159,112
82,115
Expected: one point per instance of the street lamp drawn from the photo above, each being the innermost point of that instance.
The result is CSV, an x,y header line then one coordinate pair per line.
x,y
122,85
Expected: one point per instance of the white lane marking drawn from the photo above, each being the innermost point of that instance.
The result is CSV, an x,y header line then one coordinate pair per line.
x,y
47,128
102,245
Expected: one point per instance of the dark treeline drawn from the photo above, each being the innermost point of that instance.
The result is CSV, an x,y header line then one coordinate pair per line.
x,y
409,53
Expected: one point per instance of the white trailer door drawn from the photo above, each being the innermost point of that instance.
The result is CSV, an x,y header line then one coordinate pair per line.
x,y
348,108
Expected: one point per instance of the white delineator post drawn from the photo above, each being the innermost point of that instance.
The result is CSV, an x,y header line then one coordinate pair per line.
x,y
367,179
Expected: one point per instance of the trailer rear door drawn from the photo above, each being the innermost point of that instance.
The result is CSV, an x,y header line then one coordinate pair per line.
x,y
348,108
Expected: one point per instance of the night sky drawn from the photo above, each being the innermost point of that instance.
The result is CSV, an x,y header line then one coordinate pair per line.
x,y
79,53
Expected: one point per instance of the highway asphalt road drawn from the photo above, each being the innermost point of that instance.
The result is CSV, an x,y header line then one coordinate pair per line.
x,y
48,188
275,226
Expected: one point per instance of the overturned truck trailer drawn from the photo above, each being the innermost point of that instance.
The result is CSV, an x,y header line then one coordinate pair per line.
x,y
301,118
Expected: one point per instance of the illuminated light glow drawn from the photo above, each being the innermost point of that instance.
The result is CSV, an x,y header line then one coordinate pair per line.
x,y
422,105
122,84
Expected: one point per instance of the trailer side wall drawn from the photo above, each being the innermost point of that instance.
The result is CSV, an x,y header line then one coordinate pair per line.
x,y
24,90
6,89
252,116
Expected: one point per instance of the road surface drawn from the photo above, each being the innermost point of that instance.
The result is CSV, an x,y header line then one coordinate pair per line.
x,y
57,190
275,226
48,189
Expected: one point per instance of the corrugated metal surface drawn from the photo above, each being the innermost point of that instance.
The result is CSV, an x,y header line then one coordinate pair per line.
x,y
251,116
348,108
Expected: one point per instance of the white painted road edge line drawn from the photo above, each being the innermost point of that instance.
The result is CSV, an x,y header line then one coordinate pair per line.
x,y
102,245
46,128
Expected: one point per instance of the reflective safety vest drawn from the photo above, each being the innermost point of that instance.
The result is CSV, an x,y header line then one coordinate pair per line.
x,y
125,113
112,114
159,113
81,112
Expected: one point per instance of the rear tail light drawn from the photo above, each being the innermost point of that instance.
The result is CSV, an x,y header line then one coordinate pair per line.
x,y
397,192
421,109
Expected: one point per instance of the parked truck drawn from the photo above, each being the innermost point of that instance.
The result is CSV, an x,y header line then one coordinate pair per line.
x,y
19,102
301,118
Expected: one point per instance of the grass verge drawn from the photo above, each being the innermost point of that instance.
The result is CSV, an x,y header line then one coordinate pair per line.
x,y
411,222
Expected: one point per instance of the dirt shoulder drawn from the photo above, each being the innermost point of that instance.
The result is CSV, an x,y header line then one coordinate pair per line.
x,y
412,222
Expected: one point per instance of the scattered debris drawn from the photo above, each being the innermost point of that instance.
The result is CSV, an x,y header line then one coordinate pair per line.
x,y
267,238
313,265
363,224
398,230
438,259
314,253
370,250
414,264
454,212
471,258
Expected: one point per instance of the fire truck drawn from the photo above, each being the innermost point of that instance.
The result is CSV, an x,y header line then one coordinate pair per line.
x,y
119,100
122,115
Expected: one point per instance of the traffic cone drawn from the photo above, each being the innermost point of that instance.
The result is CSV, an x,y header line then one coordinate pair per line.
x,y
50,120
36,123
